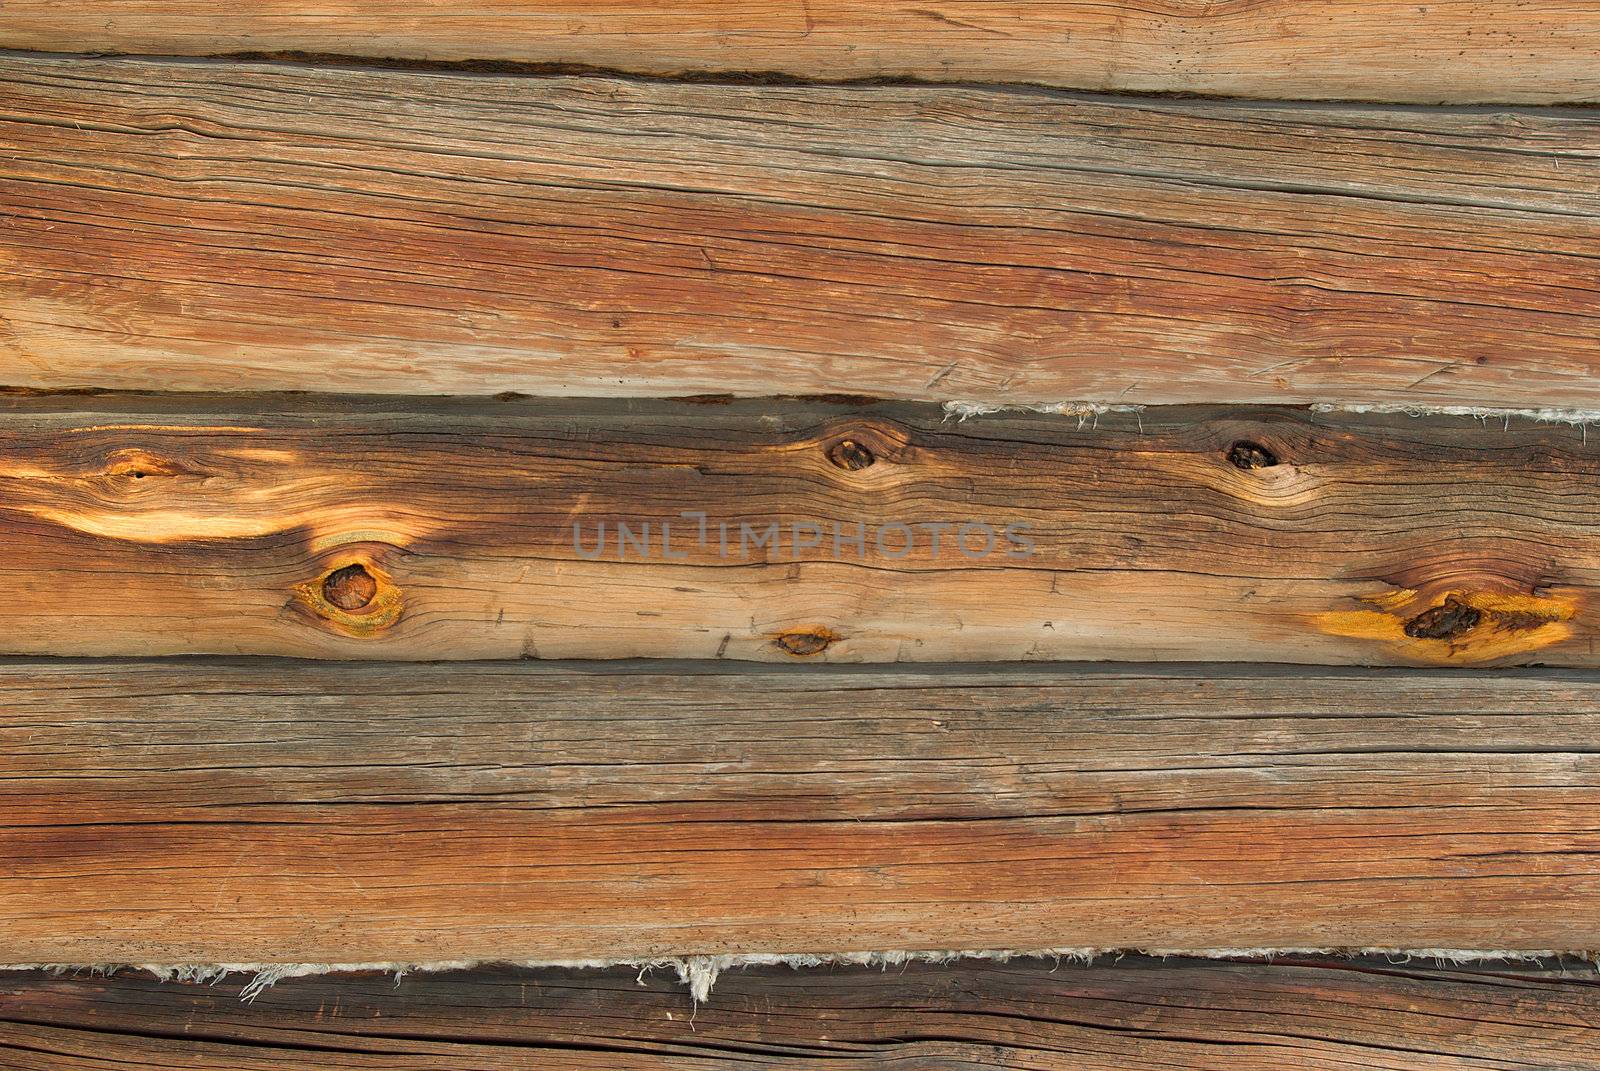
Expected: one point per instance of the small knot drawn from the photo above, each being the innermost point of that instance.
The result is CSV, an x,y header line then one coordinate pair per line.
x,y
850,455
804,642
1248,455
350,588
134,463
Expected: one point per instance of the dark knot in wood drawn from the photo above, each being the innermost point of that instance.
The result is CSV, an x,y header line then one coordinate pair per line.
x,y
1448,621
1248,455
350,588
805,642
850,454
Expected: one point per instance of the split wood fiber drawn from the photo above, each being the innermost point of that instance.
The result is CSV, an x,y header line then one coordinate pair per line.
x,y
1311,1015
191,812
1443,50
228,226
438,529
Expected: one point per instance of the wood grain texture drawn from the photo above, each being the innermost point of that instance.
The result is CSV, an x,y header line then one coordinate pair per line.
x,y
1133,1014
187,811
182,226
488,529
1441,51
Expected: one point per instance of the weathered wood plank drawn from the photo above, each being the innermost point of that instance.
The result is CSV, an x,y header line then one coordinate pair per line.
x,y
224,227
1134,1013
834,531
1449,50
186,811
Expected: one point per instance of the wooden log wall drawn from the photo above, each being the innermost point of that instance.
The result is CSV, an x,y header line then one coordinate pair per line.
x,y
195,812
174,226
1315,1014
662,484
1493,51
832,531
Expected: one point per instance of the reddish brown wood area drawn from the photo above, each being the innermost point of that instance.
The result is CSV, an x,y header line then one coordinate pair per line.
x,y
1130,1013
832,531
723,482
195,812
1443,50
182,226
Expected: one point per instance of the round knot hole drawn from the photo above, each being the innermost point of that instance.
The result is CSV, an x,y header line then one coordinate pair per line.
x,y
850,455
1245,454
350,587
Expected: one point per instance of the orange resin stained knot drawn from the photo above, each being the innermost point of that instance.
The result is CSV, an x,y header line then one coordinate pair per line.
x,y
356,598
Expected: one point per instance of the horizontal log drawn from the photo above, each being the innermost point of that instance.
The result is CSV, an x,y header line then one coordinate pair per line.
x,y
1304,1015
832,531
1444,51
183,226
188,811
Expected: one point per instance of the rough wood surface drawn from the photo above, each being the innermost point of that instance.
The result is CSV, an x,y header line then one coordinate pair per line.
x,y
184,811
1443,50
486,529
832,532
1134,1013
175,226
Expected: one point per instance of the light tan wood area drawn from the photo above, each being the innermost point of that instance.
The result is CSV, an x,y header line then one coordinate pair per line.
x,y
1440,51
832,531
1128,1014
184,811
234,227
